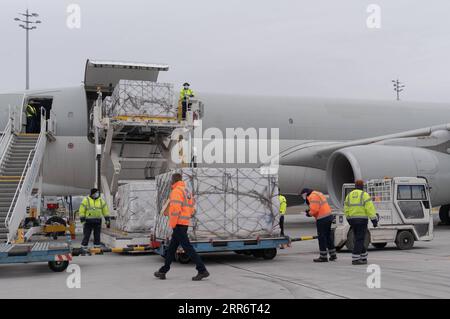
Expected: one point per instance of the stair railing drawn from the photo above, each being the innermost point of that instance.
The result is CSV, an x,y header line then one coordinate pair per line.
x,y
5,139
17,209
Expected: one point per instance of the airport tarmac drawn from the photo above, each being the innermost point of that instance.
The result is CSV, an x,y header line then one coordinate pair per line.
x,y
422,272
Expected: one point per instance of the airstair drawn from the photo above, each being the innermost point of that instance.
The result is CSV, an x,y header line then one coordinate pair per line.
x,y
136,130
20,160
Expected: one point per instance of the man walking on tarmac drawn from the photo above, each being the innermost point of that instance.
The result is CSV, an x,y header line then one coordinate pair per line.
x,y
321,211
92,209
180,209
358,208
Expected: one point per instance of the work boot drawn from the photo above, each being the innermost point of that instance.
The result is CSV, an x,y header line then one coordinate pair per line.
x,y
359,262
333,257
201,275
321,260
160,275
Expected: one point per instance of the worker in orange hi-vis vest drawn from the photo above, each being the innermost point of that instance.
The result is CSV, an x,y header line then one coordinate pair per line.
x,y
321,211
180,209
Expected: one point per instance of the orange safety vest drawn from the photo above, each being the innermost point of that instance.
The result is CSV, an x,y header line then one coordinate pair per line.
x,y
318,205
181,206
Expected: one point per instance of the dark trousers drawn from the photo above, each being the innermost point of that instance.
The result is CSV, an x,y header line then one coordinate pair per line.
x,y
88,227
282,224
180,238
359,226
31,125
326,241
184,106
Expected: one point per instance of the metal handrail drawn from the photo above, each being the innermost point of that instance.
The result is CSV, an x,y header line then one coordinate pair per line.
x,y
5,140
27,166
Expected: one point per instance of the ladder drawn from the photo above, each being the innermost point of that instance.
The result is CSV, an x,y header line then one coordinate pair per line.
x,y
20,162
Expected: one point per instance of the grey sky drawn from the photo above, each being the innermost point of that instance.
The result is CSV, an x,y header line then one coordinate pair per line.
x,y
286,47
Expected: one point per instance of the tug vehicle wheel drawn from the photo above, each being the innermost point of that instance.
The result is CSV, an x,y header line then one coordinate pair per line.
x,y
405,240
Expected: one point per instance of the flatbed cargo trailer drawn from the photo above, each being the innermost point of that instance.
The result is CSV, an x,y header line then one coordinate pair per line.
x,y
57,255
258,247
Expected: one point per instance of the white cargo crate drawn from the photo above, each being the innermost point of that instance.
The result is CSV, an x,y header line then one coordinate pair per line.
x,y
142,98
231,203
136,206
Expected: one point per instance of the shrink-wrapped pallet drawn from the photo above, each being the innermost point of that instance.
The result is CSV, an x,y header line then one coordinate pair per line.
x,y
136,206
236,203
142,98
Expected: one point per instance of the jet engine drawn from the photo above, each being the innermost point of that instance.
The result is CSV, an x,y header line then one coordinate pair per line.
x,y
378,161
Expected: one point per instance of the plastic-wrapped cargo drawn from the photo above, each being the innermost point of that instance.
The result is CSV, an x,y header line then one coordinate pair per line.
x,y
136,206
231,203
142,98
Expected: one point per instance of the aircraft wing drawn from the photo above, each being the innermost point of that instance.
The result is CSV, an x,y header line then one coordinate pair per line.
x,y
315,154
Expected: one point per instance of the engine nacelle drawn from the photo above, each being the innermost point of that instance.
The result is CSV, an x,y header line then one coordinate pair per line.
x,y
378,161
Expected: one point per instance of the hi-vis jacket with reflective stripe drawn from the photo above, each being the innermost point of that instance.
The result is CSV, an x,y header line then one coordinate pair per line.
x,y
358,204
31,111
181,206
283,204
318,205
93,208
186,93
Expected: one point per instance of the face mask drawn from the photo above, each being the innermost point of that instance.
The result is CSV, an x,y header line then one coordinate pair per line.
x,y
304,196
96,195
186,87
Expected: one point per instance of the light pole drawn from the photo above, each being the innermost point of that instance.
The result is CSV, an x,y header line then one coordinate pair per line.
x,y
27,25
398,87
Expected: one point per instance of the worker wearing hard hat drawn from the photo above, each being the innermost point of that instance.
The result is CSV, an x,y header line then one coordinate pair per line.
x,y
321,211
358,208
185,94
180,208
283,207
91,211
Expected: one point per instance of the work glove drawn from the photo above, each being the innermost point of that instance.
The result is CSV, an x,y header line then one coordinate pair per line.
x,y
108,222
375,223
82,220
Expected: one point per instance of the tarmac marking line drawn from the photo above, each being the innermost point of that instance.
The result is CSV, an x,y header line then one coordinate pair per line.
x,y
286,280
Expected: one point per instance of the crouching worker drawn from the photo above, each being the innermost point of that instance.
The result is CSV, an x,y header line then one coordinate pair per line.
x,y
180,209
321,211
92,209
